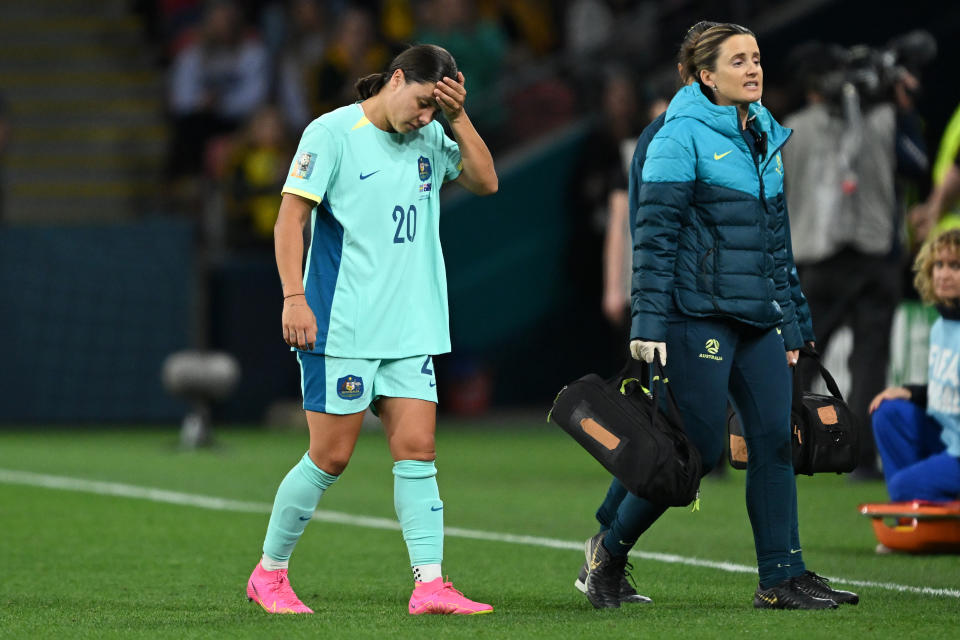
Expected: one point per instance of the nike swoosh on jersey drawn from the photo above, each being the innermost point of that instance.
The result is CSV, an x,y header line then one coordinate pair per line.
x,y
364,177
718,156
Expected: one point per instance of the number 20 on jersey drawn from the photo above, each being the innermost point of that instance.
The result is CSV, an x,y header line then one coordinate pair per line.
x,y
405,218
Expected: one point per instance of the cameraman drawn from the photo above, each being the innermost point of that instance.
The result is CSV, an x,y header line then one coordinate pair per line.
x,y
850,142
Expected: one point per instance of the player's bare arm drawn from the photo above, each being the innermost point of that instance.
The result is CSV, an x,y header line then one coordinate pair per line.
x,y
298,321
478,175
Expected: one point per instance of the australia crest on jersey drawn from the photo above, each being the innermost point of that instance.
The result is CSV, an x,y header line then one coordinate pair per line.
x,y
303,165
423,166
350,387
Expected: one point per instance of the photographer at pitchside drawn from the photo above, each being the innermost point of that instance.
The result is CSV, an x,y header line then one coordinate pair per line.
x,y
857,135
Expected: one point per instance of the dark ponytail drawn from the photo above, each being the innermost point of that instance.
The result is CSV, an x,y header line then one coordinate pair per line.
x,y
370,85
420,63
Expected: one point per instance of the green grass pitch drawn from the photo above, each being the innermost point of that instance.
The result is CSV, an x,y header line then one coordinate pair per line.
x,y
161,544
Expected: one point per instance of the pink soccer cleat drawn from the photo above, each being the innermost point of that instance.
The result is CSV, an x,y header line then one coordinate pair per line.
x,y
438,596
272,591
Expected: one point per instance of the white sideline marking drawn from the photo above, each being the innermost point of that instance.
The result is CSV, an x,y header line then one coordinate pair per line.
x,y
28,478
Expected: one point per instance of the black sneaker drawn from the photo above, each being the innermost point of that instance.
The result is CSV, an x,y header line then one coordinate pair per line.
x,y
788,595
628,595
604,572
816,586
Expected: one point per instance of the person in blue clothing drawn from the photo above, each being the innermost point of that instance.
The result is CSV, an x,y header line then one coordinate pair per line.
x,y
617,492
636,510
917,427
370,310
713,283
618,240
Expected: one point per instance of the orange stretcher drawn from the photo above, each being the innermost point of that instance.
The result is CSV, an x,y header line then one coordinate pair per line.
x,y
916,527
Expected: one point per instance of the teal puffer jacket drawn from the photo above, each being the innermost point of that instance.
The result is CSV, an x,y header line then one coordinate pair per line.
x,y
711,223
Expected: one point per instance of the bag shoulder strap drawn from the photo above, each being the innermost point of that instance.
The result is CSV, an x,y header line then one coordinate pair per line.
x,y
659,375
643,373
832,387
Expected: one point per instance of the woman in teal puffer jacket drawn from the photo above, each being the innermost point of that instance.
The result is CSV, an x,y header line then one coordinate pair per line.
x,y
711,285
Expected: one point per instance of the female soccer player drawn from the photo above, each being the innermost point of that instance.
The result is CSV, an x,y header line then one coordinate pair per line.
x,y
371,309
711,280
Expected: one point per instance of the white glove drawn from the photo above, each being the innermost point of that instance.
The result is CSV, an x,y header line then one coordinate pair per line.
x,y
644,350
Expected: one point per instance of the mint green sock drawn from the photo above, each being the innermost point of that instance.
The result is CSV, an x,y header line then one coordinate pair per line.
x,y
419,509
293,507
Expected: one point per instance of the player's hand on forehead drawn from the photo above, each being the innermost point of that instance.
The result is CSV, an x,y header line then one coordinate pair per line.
x,y
450,95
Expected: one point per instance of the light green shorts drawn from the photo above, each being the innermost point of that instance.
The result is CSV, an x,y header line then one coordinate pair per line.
x,y
350,385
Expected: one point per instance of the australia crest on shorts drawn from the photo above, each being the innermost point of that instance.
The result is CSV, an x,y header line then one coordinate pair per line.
x,y
350,387
423,167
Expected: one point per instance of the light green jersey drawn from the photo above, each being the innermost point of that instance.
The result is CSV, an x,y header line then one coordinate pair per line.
x,y
375,277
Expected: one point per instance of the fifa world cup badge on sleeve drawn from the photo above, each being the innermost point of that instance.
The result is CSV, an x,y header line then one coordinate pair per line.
x,y
350,387
303,165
